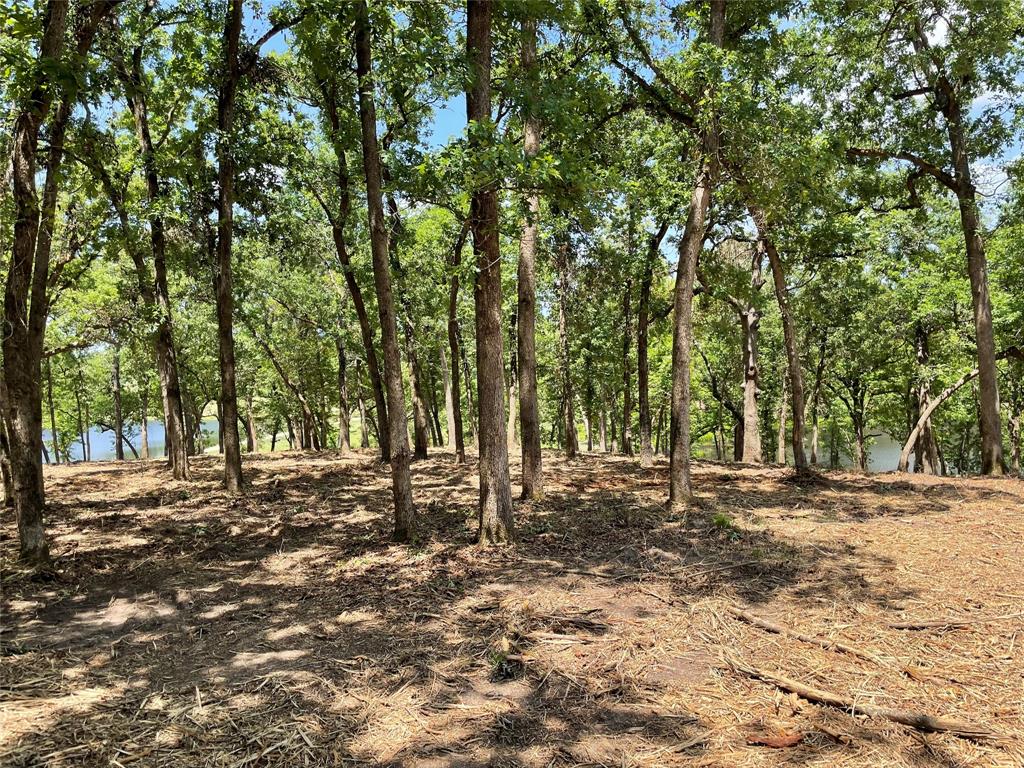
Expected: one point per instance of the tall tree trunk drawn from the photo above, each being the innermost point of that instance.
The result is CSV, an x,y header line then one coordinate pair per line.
x,y
420,418
926,457
453,404
469,388
78,413
449,405
364,422
144,423
780,444
513,389
435,417
158,294
118,416
495,508
819,375
344,423
339,221
643,366
401,481
602,432
225,220
751,324
529,417
796,377
563,257
251,440
680,485
977,271
935,402
627,369
54,436
25,291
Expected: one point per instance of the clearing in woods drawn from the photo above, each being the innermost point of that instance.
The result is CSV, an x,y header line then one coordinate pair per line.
x,y
281,629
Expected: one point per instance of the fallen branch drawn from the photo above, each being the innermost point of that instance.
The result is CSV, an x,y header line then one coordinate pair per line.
x,y
781,629
952,623
918,720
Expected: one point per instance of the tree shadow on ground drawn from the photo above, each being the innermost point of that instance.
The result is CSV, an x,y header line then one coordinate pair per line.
x,y
282,628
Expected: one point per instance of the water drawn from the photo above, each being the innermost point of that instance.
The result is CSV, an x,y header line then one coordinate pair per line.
x,y
101,443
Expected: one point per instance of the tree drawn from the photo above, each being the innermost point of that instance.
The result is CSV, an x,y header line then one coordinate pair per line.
x,y
495,507
405,512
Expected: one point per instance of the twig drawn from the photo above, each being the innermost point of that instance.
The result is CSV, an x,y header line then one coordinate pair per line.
x,y
952,623
918,720
781,629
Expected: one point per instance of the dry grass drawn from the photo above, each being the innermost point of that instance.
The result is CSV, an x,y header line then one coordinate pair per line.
x,y
282,629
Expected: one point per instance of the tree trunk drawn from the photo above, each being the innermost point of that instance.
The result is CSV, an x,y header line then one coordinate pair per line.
x,y
627,369
435,414
251,440
938,400
225,220
977,271
796,377
344,423
602,432
495,509
419,405
780,445
529,418
54,437
449,405
405,512
364,424
118,417
513,390
158,294
680,485
643,366
469,388
926,457
25,290
453,394
565,356
273,434
816,399
144,423
751,324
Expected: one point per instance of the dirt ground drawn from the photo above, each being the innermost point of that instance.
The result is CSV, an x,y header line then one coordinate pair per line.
x,y
281,628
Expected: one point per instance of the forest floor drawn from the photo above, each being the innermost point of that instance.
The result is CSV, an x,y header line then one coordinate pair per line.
x,y
281,628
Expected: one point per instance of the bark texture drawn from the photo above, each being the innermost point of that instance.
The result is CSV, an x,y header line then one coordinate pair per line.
x,y
495,508
401,481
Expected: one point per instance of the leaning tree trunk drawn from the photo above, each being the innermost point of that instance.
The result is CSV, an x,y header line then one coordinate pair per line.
x,y
495,508
163,341
796,376
926,414
401,480
225,220
529,418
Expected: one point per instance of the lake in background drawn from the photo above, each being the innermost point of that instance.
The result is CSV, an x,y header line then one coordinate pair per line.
x,y
883,452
